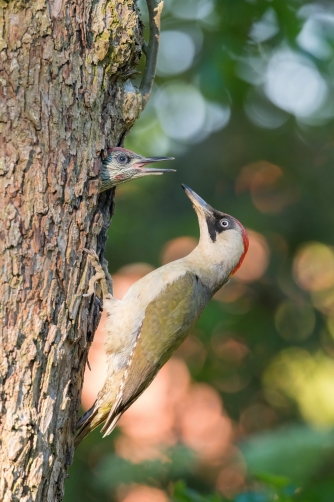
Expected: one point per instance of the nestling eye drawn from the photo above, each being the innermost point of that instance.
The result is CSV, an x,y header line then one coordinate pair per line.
x,y
224,223
122,159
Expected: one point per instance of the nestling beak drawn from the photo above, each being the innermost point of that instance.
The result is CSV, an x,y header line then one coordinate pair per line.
x,y
143,161
198,203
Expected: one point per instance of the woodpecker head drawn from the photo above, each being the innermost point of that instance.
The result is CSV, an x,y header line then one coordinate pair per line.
x,y
223,240
122,165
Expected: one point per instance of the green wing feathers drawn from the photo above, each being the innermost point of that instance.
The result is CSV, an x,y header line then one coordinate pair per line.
x,y
167,322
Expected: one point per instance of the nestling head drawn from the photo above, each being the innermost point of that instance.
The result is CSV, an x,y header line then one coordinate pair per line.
x,y
122,165
223,239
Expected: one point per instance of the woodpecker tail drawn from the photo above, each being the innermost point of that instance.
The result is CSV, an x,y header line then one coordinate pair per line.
x,y
87,423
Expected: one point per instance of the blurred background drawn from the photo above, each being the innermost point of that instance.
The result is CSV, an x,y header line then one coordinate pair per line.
x,y
244,411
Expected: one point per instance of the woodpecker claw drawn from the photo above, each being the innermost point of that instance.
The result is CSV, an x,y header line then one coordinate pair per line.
x,y
99,276
92,253
87,295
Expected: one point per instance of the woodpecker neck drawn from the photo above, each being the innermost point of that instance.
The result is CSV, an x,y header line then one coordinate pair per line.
x,y
111,176
213,274
216,258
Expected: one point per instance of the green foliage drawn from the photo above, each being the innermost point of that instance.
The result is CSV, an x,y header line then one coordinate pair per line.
x,y
183,494
113,470
272,489
303,450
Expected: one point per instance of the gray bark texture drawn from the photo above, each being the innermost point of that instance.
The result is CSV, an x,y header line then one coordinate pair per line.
x,y
64,98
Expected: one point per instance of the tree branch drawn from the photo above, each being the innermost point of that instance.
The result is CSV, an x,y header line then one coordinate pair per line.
x,y
151,49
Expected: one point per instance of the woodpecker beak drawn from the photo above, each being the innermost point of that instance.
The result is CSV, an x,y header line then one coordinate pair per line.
x,y
198,203
143,161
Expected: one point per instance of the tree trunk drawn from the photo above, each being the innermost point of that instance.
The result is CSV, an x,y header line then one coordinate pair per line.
x,y
64,99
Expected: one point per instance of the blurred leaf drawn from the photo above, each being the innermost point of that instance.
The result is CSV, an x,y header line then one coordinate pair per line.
x,y
320,491
114,470
272,480
293,453
183,494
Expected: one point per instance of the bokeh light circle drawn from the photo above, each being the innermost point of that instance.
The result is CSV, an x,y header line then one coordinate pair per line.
x,y
181,110
176,52
294,84
177,248
294,321
257,258
313,267
192,9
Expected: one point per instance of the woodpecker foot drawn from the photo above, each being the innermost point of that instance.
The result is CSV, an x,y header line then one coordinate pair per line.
x,y
101,275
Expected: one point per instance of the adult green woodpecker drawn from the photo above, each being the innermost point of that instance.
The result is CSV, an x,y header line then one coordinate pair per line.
x,y
122,165
158,311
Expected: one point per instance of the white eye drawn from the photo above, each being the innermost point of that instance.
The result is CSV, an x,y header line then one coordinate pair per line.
x,y
224,223
122,159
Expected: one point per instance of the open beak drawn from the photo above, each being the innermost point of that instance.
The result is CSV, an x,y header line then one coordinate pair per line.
x,y
152,170
198,203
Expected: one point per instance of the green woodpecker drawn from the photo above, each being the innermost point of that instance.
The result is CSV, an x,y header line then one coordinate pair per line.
x,y
122,165
158,311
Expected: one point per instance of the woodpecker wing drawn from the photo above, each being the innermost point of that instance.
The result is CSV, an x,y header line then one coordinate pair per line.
x,y
167,321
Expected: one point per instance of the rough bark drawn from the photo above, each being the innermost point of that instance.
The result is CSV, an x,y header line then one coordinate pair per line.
x,y
64,98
